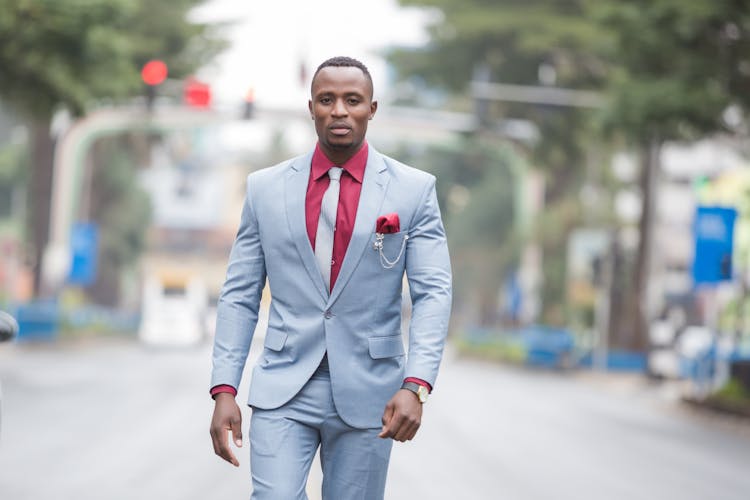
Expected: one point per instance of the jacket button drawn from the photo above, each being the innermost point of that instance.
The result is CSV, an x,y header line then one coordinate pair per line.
x,y
328,314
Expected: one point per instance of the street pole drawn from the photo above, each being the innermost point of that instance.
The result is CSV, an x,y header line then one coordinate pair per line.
x,y
603,307
535,94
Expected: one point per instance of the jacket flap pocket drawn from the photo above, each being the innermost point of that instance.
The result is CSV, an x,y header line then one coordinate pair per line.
x,y
386,347
275,339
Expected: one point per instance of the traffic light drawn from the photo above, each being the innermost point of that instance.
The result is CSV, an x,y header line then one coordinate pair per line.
x,y
197,94
249,108
153,74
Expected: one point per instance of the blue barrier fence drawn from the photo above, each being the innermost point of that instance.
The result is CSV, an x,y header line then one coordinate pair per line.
x,y
550,347
535,345
44,320
39,320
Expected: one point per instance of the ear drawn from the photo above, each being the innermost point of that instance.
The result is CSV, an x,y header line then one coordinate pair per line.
x,y
373,108
309,106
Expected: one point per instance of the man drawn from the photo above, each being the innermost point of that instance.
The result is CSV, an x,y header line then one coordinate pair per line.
x,y
334,231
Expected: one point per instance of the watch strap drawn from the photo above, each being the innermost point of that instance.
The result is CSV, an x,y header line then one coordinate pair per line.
x,y
418,389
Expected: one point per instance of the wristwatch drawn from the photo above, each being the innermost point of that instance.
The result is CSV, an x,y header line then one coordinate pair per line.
x,y
420,390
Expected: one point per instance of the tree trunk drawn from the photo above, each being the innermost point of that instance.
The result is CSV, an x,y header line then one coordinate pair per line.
x,y
638,338
42,154
488,300
105,290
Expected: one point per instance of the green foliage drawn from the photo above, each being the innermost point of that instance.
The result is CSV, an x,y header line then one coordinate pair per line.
x,y
476,191
733,397
679,65
73,54
511,37
13,164
54,53
734,391
122,211
70,53
499,348
121,208
669,69
13,177
512,40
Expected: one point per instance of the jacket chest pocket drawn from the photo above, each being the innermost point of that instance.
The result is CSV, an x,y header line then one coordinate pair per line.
x,y
389,249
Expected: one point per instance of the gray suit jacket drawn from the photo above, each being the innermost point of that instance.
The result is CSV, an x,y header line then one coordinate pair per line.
x,y
359,323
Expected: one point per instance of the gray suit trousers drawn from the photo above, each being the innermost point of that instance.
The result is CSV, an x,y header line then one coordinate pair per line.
x,y
283,442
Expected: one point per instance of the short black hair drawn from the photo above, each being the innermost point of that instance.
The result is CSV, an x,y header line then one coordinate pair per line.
x,y
345,62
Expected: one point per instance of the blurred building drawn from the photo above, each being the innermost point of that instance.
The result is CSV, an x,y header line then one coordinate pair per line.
x,y
16,280
692,175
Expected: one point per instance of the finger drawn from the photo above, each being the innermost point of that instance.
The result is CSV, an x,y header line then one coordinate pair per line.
x,y
387,414
226,452
215,441
413,432
410,431
220,441
386,432
405,430
235,425
393,426
387,419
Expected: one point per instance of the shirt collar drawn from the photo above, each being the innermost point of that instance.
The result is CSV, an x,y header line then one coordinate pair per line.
x,y
354,165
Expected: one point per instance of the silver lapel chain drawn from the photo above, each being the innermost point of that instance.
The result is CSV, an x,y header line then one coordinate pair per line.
x,y
378,245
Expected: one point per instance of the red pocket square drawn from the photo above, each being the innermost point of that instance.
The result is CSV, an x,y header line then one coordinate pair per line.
x,y
388,224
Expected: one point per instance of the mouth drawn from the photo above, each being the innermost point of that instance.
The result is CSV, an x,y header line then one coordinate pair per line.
x,y
340,129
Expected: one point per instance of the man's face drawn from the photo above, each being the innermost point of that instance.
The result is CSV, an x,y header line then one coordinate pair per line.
x,y
341,106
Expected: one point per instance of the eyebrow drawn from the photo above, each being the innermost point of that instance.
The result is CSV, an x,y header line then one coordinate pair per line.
x,y
345,94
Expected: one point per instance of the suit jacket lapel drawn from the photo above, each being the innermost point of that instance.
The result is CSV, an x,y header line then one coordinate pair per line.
x,y
371,198
295,192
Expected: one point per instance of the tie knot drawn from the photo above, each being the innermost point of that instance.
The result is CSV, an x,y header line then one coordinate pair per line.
x,y
335,173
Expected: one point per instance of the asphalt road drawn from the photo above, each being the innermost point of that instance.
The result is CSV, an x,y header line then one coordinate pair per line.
x,y
111,419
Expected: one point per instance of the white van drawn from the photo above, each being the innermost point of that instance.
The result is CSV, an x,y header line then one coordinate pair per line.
x,y
173,310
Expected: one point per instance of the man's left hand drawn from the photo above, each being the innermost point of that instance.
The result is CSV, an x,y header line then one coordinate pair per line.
x,y
402,416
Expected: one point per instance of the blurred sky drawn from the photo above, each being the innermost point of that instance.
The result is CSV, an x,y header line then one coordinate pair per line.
x,y
271,37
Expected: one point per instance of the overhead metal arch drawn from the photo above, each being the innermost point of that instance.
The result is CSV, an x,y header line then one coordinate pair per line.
x,y
69,168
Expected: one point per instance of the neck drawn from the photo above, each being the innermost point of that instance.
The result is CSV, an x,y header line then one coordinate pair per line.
x,y
339,156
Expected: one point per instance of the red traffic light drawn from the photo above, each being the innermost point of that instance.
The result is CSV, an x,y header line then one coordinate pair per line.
x,y
154,72
197,94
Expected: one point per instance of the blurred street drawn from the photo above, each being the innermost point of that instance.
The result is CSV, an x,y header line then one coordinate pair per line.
x,y
591,166
111,419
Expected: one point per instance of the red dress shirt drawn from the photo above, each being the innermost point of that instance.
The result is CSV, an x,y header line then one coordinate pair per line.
x,y
351,187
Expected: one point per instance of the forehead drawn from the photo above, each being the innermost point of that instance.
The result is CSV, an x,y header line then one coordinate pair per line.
x,y
344,79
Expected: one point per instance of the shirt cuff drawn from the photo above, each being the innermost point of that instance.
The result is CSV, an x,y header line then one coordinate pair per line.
x,y
223,388
419,381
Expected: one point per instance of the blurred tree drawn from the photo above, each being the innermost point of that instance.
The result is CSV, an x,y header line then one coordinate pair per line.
x,y
530,42
121,209
70,54
476,193
681,71
672,70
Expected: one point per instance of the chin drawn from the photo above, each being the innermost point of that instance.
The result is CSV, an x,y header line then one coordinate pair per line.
x,y
345,144
334,145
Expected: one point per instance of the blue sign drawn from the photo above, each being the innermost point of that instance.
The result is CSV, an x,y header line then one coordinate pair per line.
x,y
84,243
714,239
513,296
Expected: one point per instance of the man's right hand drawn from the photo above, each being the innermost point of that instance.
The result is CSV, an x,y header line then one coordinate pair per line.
x,y
227,418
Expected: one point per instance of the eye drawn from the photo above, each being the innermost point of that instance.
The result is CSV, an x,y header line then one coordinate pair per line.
x,y
353,101
325,100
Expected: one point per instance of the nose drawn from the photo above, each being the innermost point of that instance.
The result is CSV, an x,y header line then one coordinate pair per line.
x,y
339,108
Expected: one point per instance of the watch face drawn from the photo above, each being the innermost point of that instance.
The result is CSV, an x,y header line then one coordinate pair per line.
x,y
422,393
